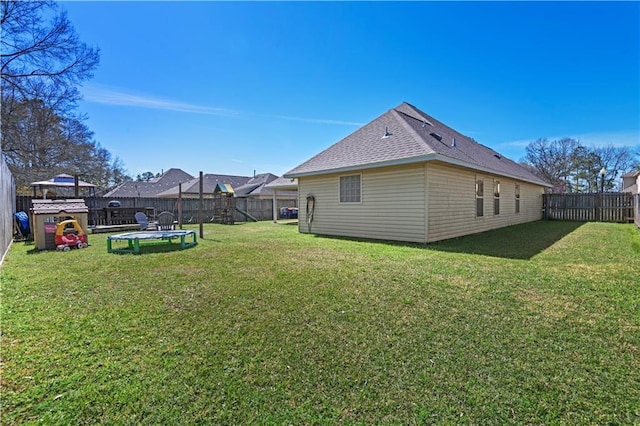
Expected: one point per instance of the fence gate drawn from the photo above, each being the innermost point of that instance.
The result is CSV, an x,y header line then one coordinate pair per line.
x,y
598,207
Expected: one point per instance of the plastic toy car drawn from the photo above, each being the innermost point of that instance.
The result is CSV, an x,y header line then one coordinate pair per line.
x,y
66,240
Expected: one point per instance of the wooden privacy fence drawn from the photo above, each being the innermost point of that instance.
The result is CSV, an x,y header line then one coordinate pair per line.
x,y
7,204
260,209
598,207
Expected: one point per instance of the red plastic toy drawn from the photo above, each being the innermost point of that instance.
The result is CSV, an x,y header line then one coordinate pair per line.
x,y
65,241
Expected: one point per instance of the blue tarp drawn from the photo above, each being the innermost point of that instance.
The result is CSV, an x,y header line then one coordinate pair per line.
x,y
23,223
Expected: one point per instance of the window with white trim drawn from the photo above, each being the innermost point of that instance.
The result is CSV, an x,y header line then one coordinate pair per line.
x,y
350,189
517,198
479,198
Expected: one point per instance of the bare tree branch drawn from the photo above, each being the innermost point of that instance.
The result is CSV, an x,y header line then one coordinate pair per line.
x,y
42,62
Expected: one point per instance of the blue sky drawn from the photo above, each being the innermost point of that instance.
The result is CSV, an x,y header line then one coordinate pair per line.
x,y
229,88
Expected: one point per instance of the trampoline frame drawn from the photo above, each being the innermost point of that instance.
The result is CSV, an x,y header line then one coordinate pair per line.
x,y
133,240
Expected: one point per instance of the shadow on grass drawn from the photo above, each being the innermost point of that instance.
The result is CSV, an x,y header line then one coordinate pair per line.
x,y
513,242
159,247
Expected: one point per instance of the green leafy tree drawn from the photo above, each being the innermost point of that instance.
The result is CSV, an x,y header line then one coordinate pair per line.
x,y
585,174
145,177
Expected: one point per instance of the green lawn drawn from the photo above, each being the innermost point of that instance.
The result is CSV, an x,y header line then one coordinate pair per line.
x,y
535,324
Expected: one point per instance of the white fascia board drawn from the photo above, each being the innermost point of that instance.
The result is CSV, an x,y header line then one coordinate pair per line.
x,y
400,161
283,187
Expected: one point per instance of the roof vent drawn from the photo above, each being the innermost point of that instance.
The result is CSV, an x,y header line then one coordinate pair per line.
x,y
497,156
386,132
453,143
435,135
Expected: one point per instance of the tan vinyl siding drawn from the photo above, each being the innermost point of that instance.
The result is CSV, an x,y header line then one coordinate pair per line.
x,y
452,202
392,206
396,202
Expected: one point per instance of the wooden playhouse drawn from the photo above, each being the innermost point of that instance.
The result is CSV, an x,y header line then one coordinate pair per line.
x,y
46,214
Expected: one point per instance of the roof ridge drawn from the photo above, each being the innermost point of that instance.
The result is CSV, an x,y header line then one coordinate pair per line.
x,y
421,114
431,120
410,129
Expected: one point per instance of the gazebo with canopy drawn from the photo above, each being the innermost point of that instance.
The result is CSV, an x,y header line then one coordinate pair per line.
x,y
62,181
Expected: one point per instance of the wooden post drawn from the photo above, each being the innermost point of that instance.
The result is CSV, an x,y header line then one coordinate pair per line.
x,y
180,204
201,207
275,205
76,186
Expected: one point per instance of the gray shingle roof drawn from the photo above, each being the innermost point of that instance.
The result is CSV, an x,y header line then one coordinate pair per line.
x,y
209,182
405,135
169,179
283,183
256,186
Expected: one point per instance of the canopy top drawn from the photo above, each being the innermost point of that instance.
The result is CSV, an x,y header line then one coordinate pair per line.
x,y
63,180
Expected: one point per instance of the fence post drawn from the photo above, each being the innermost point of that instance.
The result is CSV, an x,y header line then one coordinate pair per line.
x,y
180,204
201,206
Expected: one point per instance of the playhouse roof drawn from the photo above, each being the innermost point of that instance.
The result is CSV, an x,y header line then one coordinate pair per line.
x,y
223,188
59,206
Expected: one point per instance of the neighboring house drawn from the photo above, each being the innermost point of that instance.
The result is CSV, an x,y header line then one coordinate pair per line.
x,y
168,186
255,187
631,182
406,176
260,187
191,188
169,179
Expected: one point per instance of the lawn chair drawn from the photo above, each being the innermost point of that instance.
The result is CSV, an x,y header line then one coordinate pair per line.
x,y
142,220
166,221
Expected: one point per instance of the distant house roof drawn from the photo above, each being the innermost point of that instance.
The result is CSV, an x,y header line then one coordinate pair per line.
x,y
256,186
405,135
632,174
209,183
169,179
172,175
283,183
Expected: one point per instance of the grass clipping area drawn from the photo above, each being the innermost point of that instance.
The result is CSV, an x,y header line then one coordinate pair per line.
x,y
258,324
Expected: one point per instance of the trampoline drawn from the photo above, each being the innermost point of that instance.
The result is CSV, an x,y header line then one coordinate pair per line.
x,y
133,240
